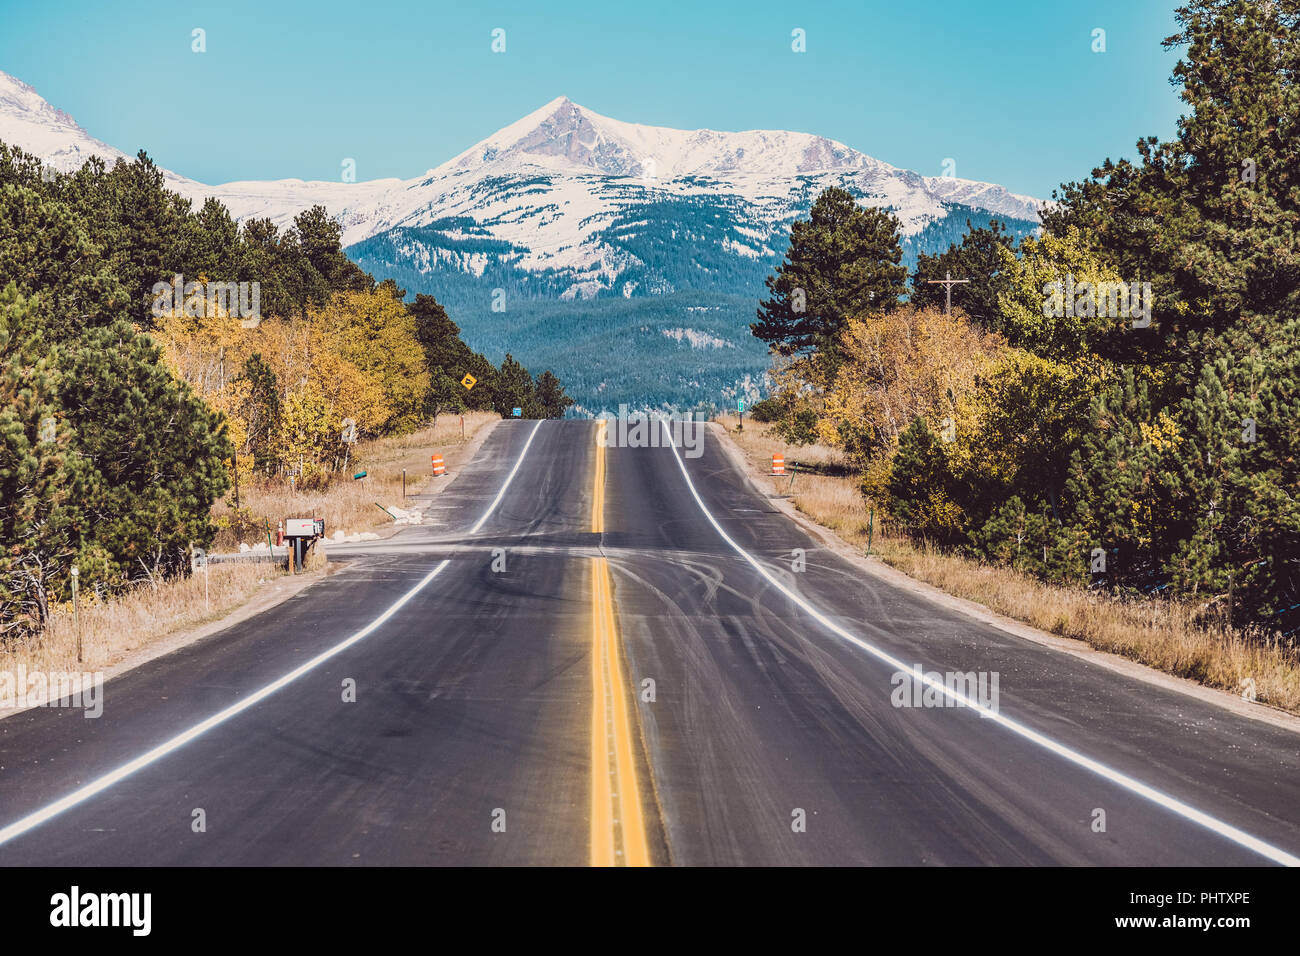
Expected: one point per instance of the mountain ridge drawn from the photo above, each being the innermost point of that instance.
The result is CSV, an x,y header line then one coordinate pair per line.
x,y
565,213
550,138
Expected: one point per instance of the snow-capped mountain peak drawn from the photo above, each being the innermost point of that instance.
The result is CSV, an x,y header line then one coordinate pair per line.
x,y
561,191
563,135
565,205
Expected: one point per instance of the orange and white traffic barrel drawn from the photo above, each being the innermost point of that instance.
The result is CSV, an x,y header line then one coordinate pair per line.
x,y
778,464
438,467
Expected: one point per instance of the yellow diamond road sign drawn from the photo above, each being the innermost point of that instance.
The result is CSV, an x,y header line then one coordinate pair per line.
x,y
469,381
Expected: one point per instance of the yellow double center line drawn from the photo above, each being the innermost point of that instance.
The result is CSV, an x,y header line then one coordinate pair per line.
x,y
618,835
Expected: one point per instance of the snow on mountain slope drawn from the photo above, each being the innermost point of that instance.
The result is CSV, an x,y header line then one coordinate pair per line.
x,y
578,159
28,121
561,191
580,162
587,142
357,206
565,205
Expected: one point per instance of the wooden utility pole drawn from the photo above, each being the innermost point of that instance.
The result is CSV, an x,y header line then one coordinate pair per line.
x,y
947,282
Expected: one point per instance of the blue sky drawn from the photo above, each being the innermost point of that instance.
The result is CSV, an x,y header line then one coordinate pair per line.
x,y
1010,89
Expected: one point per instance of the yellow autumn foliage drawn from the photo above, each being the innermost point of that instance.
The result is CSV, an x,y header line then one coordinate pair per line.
x,y
898,366
357,359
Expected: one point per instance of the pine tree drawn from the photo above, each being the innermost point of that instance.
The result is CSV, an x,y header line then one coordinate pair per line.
x,y
45,248
321,239
143,233
446,394
159,454
843,261
1120,489
263,259
1237,470
449,358
550,396
919,487
482,397
514,388
1212,217
209,244
43,483
444,353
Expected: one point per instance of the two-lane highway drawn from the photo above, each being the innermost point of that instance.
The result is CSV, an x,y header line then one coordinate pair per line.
x,y
611,656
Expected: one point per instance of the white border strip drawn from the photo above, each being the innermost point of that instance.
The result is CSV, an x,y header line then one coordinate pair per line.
x,y
1131,784
100,784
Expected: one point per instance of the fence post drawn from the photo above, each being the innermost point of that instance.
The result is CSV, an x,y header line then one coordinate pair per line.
x,y
76,609
871,528
1231,579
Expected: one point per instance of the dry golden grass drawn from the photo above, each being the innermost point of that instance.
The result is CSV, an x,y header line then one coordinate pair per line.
x,y
1167,635
348,505
113,629
817,480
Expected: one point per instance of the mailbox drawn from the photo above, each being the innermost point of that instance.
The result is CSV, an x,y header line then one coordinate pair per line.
x,y
300,534
300,528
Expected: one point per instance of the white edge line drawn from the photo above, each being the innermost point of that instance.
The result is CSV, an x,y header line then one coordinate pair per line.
x,y
1188,812
100,784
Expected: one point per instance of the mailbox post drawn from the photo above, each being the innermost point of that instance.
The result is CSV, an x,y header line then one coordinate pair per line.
x,y
300,534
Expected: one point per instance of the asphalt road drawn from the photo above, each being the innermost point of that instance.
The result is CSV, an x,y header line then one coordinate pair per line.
x,y
608,656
